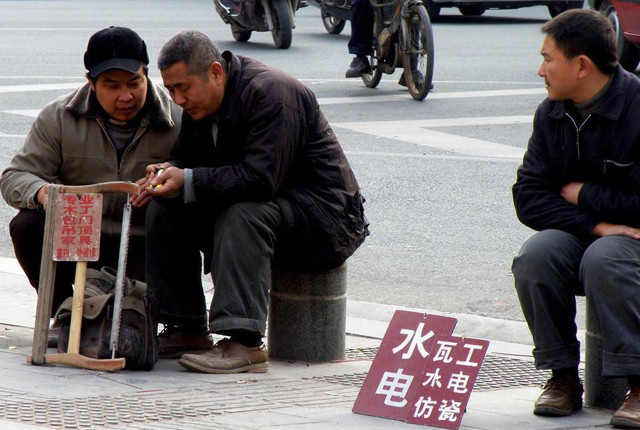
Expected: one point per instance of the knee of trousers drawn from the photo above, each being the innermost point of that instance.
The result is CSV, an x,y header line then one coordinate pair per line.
x,y
604,262
26,223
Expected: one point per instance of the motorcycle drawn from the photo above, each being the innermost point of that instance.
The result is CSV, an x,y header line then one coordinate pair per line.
x,y
246,16
334,14
403,38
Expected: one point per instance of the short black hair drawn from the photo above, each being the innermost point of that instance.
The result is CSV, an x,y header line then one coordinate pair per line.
x,y
585,32
193,48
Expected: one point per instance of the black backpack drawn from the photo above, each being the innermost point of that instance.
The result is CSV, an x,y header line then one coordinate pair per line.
x,y
137,344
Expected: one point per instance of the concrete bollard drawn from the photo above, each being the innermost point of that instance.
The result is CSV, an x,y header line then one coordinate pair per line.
x,y
307,316
599,392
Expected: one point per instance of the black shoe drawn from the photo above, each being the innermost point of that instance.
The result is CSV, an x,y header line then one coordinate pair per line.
x,y
358,67
402,81
302,4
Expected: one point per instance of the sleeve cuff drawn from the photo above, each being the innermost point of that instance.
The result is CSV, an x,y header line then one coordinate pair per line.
x,y
189,187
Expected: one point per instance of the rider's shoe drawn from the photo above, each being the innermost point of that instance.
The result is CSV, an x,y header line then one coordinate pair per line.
x,y
302,4
403,82
358,67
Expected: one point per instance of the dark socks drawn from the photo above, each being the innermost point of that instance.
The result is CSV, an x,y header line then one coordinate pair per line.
x,y
569,373
247,338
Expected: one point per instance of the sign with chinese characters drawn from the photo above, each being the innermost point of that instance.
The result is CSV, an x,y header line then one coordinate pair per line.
x,y
77,224
421,374
446,382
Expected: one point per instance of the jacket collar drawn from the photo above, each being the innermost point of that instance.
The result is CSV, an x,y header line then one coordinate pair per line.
x,y
234,68
611,106
157,106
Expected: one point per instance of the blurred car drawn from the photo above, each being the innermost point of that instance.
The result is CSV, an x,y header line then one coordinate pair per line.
x,y
478,7
625,17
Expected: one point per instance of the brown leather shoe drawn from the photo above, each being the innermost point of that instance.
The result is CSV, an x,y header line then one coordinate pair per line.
x,y
560,397
173,342
628,415
228,357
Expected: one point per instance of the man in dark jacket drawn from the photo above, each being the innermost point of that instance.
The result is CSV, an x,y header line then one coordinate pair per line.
x,y
579,186
257,173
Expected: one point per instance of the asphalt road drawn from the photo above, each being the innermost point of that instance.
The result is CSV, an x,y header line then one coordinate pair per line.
x,y
437,174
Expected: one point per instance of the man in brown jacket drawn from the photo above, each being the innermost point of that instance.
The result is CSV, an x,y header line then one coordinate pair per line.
x,y
258,179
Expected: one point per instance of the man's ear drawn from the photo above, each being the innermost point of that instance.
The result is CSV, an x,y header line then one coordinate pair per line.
x,y
586,66
93,87
216,71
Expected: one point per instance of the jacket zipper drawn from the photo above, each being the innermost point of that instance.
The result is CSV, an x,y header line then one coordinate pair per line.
x,y
578,128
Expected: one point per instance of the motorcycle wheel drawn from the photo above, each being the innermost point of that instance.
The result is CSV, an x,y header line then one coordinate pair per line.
x,y
332,24
241,35
417,59
372,79
282,31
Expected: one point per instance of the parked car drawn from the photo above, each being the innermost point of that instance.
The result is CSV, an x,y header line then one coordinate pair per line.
x,y
478,7
625,17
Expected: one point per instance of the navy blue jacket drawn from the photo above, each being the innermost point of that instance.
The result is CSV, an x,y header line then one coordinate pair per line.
x,y
603,151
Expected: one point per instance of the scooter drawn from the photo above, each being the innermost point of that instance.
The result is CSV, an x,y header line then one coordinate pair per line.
x,y
245,16
334,14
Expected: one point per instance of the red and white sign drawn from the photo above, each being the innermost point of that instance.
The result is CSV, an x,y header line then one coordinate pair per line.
x,y
421,374
77,224
446,381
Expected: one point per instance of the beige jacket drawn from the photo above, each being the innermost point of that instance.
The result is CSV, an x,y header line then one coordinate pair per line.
x,y
68,144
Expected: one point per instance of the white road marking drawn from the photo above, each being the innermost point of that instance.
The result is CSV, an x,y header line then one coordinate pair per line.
x,y
38,87
33,113
419,132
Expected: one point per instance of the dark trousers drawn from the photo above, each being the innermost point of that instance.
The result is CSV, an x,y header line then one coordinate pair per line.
x,y
551,268
361,41
238,245
27,234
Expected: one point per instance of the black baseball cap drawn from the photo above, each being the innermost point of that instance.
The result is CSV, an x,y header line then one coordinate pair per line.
x,y
115,48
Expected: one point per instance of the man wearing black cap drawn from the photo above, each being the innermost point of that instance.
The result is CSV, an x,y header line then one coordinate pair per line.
x,y
109,129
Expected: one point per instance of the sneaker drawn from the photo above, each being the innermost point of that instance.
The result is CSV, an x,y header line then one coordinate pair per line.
x,y
560,397
358,67
628,415
228,357
173,342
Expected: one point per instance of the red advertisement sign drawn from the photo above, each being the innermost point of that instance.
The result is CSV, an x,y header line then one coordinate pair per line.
x,y
77,223
422,374
393,377
446,382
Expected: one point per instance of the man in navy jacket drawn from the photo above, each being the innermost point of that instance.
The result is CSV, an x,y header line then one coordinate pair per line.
x,y
579,187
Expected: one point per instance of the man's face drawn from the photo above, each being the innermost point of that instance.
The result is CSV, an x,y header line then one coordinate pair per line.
x,y
560,73
196,96
120,93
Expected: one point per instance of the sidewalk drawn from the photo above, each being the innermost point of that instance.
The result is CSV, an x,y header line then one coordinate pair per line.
x,y
292,395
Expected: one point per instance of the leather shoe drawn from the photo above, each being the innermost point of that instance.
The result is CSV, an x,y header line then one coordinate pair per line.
x,y
560,397
228,357
173,342
358,67
628,415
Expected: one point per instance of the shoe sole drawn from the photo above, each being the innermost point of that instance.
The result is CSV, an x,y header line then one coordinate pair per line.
x,y
548,411
178,354
624,423
252,368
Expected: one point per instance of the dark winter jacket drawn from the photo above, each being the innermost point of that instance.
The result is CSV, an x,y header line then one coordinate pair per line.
x,y
603,151
274,144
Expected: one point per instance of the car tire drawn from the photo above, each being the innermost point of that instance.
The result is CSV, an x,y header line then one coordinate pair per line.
x,y
433,9
472,10
628,54
558,8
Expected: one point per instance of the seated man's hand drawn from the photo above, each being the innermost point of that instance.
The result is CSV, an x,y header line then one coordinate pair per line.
x,y
608,229
43,197
152,171
167,183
